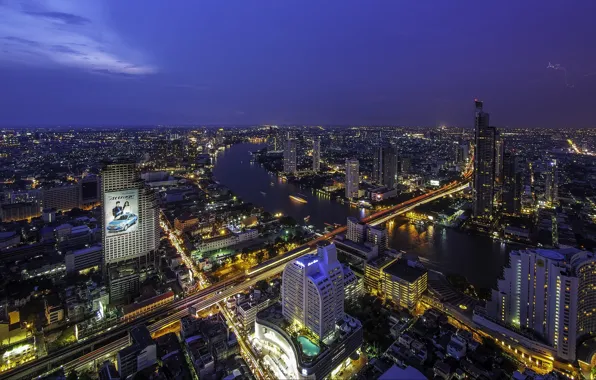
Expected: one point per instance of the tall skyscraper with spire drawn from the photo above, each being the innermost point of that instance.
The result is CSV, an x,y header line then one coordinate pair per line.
x,y
484,163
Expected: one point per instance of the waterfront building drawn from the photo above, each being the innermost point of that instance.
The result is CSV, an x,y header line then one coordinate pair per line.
x,y
539,292
130,228
310,326
316,154
290,165
377,235
395,280
352,178
484,163
356,230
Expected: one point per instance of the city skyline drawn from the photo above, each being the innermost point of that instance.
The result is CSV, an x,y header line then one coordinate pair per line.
x,y
402,64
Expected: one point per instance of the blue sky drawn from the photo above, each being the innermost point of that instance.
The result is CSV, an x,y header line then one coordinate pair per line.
x,y
133,62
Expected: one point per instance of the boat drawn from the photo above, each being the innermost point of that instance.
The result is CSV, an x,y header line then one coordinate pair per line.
x,y
298,198
306,218
264,193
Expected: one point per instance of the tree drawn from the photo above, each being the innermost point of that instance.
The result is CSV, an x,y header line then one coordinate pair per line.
x,y
72,375
287,221
266,215
260,256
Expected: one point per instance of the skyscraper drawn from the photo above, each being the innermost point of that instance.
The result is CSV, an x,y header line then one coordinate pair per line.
x,y
352,178
551,183
290,156
484,163
316,154
130,228
539,292
313,291
499,154
512,184
385,165
584,265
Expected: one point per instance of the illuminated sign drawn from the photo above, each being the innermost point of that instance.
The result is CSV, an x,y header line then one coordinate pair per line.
x,y
121,212
435,182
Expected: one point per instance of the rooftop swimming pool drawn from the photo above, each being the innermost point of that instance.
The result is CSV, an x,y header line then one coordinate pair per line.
x,y
308,348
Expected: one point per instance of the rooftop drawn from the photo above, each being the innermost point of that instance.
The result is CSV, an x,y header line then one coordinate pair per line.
x,y
401,269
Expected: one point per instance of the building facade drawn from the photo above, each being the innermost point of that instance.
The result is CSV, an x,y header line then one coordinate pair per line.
x,y
130,228
484,163
316,154
539,292
352,178
290,163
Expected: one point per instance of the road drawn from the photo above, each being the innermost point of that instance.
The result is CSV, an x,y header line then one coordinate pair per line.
x,y
116,338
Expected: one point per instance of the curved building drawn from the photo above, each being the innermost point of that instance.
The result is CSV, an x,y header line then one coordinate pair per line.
x,y
584,264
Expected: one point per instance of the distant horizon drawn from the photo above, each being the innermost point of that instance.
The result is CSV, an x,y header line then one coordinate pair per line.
x,y
342,63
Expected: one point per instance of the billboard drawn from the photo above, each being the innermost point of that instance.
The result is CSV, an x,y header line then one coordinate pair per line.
x,y
435,182
121,212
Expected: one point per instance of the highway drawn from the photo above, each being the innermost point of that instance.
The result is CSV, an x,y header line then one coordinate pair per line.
x,y
100,347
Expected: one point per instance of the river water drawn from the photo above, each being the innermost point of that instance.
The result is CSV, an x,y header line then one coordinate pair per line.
x,y
479,258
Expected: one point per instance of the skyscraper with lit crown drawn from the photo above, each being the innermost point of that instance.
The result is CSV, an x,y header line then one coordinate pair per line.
x,y
484,163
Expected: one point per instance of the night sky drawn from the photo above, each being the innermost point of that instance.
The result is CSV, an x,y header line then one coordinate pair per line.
x,y
396,62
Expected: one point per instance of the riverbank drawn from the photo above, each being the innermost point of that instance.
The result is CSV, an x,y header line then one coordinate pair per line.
x,y
479,258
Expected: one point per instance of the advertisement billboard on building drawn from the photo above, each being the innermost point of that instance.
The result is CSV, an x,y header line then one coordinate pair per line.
x,y
121,210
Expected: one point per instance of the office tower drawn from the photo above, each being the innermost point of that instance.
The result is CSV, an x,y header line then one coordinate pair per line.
x,y
484,164
512,183
356,230
539,291
584,265
141,353
352,178
313,291
316,154
377,165
290,156
130,228
377,235
499,154
387,166
406,164
551,183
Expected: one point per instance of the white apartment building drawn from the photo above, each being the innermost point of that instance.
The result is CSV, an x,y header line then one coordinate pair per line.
x,y
313,291
539,292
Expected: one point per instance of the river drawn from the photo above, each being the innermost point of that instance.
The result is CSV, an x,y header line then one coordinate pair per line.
x,y
479,258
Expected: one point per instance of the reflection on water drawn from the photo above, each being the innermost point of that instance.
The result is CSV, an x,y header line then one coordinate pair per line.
x,y
479,258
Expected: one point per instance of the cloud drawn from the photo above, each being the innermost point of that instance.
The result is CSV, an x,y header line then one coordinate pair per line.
x,y
66,33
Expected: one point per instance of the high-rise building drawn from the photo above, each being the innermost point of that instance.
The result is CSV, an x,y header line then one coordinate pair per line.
x,y
584,265
141,353
387,165
377,235
499,155
352,178
356,230
551,183
313,291
290,156
484,164
539,292
130,228
316,154
512,183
